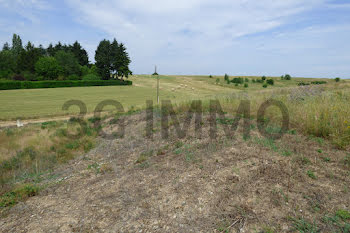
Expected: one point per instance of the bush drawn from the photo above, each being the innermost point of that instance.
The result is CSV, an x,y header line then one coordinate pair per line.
x,y
217,81
246,80
73,77
303,84
337,80
91,77
237,80
18,77
287,77
260,81
210,76
246,85
265,85
29,76
227,77
263,78
270,81
318,82
10,85
48,67
253,81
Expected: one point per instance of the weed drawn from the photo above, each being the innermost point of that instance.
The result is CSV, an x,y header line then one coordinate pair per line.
x,y
326,159
320,151
19,194
72,145
343,214
144,156
96,167
286,153
302,160
311,174
93,120
302,225
266,142
292,132
9,132
346,160
50,124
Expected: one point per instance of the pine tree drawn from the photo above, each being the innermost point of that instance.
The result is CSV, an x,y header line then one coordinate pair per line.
x,y
103,59
80,54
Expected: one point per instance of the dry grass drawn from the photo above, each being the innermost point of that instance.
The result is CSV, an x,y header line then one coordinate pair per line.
x,y
27,154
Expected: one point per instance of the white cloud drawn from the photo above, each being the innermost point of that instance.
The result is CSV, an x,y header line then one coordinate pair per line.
x,y
183,27
28,9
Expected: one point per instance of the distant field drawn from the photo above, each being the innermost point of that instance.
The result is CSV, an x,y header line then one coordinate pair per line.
x,y
48,102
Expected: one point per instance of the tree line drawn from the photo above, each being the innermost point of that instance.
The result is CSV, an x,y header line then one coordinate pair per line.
x,y
63,62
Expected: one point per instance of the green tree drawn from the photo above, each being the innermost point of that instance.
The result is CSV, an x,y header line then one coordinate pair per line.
x,y
48,67
17,46
68,63
263,78
6,47
103,59
7,64
28,57
50,50
122,60
337,79
80,54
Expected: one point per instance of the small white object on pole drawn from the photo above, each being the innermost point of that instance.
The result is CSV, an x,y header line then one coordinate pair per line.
x,y
19,123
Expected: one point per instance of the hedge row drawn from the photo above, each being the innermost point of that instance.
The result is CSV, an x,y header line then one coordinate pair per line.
x,y
10,85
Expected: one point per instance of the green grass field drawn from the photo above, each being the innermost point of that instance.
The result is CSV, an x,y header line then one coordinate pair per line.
x,y
39,103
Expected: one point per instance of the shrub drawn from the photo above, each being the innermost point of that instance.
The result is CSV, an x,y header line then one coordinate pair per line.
x,y
226,77
303,84
29,76
287,77
91,77
18,77
253,81
246,85
210,76
265,85
10,85
73,77
260,81
237,80
318,82
263,78
217,81
246,80
270,81
337,79
48,67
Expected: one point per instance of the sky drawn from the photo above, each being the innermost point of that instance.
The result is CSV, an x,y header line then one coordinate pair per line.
x,y
196,37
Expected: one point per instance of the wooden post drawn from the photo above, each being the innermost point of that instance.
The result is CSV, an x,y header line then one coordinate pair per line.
x,y
157,84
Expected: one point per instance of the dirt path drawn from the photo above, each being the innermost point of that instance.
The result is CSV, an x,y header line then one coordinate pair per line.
x,y
191,185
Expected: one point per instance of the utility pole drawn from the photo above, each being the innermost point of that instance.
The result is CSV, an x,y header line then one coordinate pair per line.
x,y
155,73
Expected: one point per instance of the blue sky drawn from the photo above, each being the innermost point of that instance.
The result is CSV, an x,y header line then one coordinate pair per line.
x,y
239,37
